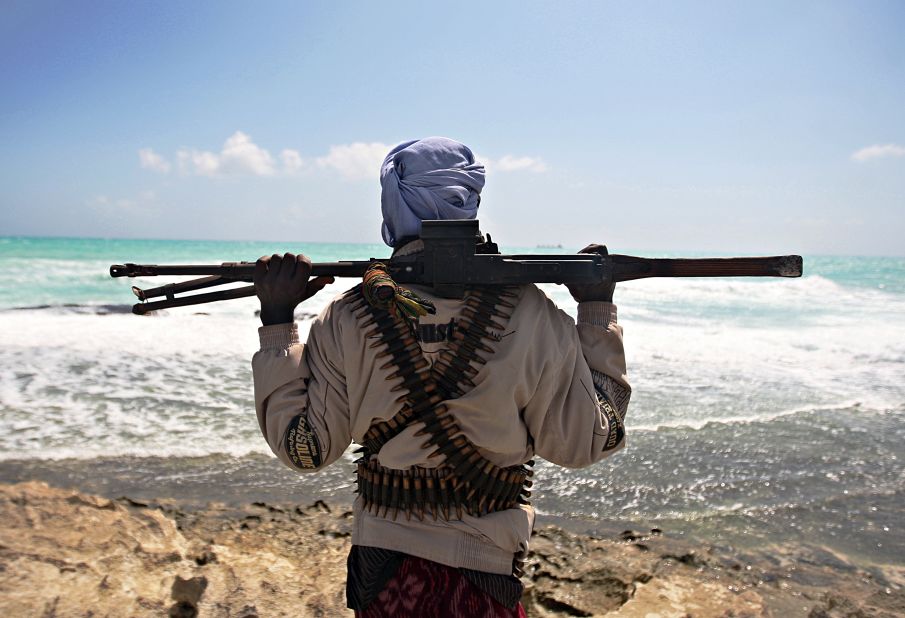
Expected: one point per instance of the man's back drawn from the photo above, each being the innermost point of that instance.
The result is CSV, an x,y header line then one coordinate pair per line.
x,y
533,394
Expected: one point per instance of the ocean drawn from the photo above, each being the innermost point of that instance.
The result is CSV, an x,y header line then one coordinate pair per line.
x,y
765,412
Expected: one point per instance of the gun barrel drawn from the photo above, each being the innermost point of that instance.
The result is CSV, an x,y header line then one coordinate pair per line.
x,y
628,268
235,271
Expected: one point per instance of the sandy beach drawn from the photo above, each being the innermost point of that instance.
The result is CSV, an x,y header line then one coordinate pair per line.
x,y
66,553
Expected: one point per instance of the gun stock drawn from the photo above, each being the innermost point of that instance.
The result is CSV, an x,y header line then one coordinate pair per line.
x,y
628,268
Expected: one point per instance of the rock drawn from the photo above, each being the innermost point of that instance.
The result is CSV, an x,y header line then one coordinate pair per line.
x,y
837,606
189,590
205,557
67,554
63,553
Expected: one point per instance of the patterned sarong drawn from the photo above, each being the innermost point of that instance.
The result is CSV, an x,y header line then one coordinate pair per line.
x,y
424,589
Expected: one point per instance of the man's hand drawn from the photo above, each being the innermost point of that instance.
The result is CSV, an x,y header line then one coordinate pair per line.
x,y
599,291
281,283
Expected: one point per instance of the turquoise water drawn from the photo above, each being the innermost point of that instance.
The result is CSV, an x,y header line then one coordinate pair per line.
x,y
74,270
762,408
37,271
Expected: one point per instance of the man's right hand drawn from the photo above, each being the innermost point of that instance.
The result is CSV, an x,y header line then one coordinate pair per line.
x,y
281,283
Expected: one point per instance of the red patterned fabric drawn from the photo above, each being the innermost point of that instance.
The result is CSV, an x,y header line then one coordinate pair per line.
x,y
425,589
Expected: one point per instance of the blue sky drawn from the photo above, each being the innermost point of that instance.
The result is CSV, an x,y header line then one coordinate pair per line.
x,y
714,126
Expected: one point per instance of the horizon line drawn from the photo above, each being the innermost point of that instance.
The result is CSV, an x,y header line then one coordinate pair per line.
x,y
707,253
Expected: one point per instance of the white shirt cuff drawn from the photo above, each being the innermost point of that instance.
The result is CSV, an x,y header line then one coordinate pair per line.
x,y
278,336
597,313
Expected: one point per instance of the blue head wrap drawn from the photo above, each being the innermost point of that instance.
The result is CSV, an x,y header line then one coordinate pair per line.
x,y
432,178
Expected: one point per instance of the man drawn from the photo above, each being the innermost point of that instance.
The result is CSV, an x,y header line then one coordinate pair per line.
x,y
450,405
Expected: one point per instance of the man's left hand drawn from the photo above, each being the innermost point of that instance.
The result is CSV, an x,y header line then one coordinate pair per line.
x,y
602,291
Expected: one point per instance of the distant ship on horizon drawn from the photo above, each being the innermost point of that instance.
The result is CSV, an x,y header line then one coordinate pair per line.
x,y
556,246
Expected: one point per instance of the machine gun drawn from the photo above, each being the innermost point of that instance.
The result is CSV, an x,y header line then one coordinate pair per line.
x,y
456,256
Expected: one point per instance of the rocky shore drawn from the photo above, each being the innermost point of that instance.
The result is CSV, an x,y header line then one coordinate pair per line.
x,y
64,553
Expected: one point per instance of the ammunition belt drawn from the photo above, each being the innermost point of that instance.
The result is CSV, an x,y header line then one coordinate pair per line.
x,y
472,482
438,492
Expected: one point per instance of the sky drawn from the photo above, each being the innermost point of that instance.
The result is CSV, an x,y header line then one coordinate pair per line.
x,y
755,127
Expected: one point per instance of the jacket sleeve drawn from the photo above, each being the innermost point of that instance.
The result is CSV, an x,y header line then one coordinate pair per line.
x,y
576,415
300,394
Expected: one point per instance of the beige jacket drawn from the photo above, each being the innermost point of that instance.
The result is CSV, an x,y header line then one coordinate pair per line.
x,y
550,390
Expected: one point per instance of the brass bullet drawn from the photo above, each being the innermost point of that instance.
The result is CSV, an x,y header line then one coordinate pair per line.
x,y
407,496
472,344
472,467
417,363
394,494
415,380
444,497
431,490
499,489
456,365
401,354
440,424
384,490
482,317
418,494
481,482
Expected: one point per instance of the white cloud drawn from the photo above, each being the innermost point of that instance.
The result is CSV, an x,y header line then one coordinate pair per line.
x,y
239,156
152,161
292,161
200,163
878,151
513,163
356,161
510,163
